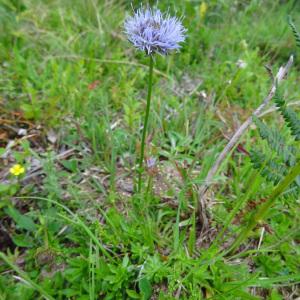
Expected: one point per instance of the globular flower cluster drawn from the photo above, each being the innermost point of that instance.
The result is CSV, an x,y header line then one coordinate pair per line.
x,y
151,31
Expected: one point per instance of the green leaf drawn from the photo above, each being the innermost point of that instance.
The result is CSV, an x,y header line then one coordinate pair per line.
x,y
244,295
145,288
275,295
133,294
22,221
28,110
295,32
70,165
2,151
125,261
22,240
4,188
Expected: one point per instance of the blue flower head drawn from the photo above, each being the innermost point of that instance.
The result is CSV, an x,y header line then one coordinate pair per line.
x,y
151,31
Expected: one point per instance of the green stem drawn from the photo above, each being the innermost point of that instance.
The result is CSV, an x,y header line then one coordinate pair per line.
x,y
263,209
145,123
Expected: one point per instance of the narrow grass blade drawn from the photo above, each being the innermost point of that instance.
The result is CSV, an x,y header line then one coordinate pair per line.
x,y
76,220
25,277
262,211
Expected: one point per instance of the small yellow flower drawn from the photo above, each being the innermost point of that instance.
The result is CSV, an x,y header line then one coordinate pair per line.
x,y
203,10
17,170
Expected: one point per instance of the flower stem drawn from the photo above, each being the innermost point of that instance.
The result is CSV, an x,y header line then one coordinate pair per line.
x,y
145,123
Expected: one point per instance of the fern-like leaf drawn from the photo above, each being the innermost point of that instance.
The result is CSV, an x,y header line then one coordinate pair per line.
x,y
292,192
276,142
293,122
271,170
289,115
275,169
257,159
295,32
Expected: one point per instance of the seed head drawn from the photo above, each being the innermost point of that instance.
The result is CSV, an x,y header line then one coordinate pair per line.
x,y
151,31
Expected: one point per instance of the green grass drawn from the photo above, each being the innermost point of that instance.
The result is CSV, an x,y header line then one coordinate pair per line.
x,y
76,230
